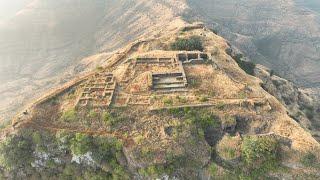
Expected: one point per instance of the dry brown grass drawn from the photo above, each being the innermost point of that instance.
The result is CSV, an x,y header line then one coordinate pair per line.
x,y
229,148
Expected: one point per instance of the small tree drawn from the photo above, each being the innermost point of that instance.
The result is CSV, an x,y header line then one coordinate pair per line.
x,y
16,152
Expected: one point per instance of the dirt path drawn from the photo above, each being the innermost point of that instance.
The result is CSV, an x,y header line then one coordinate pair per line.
x,y
214,102
116,134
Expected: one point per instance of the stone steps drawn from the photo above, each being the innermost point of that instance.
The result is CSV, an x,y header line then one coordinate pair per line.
x,y
171,86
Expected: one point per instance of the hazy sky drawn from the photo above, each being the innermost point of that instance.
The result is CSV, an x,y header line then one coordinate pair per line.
x,y
8,8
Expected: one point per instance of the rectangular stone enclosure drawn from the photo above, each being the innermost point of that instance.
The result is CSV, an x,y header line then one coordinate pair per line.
x,y
169,81
175,80
98,92
192,57
156,61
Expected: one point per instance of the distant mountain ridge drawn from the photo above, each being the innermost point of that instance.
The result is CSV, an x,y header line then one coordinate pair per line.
x,y
283,35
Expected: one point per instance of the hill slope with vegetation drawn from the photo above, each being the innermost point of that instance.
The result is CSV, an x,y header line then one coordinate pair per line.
x,y
223,124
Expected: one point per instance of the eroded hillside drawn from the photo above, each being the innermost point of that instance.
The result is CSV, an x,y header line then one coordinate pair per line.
x,y
174,105
43,45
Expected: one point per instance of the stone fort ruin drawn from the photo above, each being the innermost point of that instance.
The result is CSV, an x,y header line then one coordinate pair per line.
x,y
98,91
166,74
188,57
173,79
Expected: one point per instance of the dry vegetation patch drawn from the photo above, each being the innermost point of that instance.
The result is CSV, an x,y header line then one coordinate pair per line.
x,y
229,148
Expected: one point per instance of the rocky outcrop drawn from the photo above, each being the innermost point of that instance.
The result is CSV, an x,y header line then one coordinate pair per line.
x,y
299,104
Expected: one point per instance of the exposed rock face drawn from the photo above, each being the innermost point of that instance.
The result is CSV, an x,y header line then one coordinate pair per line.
x,y
291,96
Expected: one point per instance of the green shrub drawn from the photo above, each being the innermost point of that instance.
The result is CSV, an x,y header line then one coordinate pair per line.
x,y
309,159
51,164
242,95
106,117
69,115
95,175
39,141
221,105
206,120
202,119
176,111
63,138
204,99
80,144
182,99
213,169
105,149
138,139
194,82
191,44
119,173
112,118
93,114
151,171
70,171
174,162
201,134
36,138
168,101
99,68
147,153
230,152
16,152
309,111
54,100
17,155
260,155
